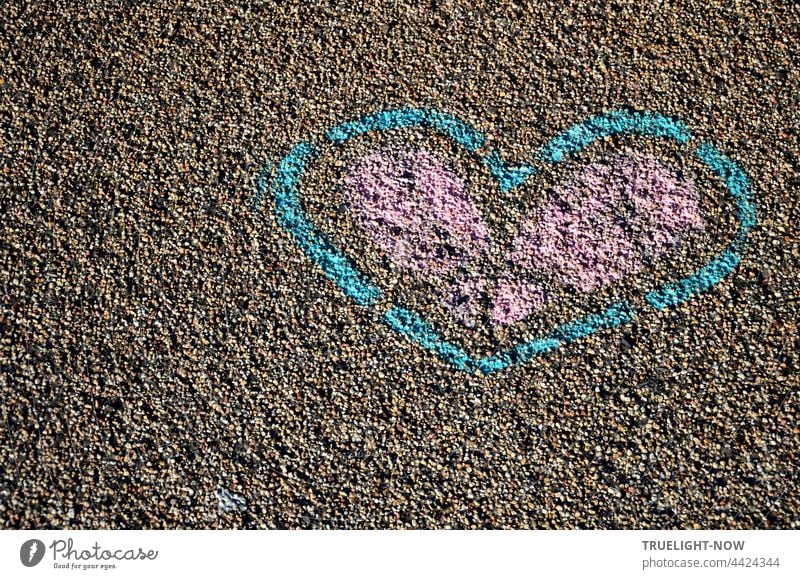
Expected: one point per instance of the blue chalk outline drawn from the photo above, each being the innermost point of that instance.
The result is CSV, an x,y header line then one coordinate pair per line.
x,y
358,286
415,327
292,218
675,293
620,122
451,127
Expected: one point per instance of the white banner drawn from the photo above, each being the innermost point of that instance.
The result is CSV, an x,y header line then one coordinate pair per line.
x,y
379,554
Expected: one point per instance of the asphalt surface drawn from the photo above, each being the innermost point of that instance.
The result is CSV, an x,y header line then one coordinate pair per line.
x,y
169,357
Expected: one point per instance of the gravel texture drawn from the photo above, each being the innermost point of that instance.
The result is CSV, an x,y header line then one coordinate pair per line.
x,y
169,358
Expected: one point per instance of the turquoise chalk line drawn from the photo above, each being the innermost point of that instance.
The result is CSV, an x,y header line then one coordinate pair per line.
x,y
507,177
291,217
420,331
613,316
735,179
412,325
620,122
358,286
451,127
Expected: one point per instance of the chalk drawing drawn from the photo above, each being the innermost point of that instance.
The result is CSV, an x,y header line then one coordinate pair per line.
x,y
592,231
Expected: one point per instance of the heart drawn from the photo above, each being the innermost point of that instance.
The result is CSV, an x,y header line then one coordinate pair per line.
x,y
357,285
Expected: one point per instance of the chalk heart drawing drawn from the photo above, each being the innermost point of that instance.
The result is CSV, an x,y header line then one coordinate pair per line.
x,y
592,231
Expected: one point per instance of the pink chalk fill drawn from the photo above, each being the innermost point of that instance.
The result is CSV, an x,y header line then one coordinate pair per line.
x,y
515,299
599,226
416,210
